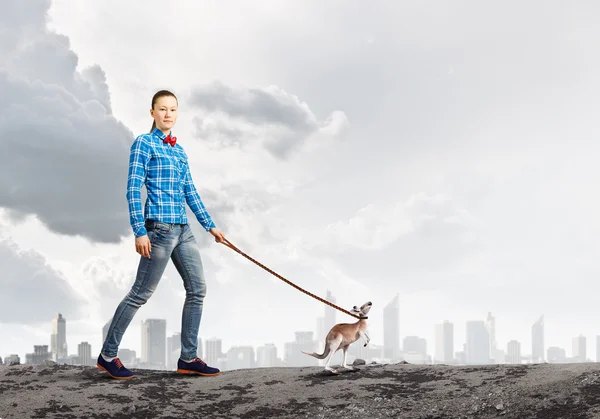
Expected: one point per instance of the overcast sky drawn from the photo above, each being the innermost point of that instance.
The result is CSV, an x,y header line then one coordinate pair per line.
x,y
445,152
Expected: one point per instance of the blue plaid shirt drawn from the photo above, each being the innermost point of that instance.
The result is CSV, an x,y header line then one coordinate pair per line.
x,y
165,171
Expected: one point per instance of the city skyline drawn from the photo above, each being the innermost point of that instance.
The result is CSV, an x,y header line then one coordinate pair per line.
x,y
159,350
393,148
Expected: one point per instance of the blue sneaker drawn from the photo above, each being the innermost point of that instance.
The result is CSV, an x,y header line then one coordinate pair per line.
x,y
197,366
114,368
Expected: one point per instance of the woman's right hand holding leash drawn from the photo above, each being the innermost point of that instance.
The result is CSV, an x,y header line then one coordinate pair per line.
x,y
143,246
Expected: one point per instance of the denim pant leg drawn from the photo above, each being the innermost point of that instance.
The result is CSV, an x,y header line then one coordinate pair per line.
x,y
186,258
149,273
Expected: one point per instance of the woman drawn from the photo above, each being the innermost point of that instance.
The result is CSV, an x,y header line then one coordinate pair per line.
x,y
161,233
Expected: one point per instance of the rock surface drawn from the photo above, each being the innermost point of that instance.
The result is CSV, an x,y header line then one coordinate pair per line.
x,y
541,391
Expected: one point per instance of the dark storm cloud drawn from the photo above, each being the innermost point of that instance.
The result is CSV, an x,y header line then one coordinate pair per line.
x,y
32,291
64,155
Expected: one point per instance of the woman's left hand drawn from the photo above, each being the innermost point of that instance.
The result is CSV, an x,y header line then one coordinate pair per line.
x,y
219,237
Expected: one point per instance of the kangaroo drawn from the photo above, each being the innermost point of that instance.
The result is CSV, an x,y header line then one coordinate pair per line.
x,y
342,335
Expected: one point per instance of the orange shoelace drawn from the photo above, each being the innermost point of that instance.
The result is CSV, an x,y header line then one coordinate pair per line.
x,y
119,363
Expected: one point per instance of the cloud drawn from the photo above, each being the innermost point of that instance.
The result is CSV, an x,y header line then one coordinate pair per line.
x,y
66,155
271,117
412,245
33,291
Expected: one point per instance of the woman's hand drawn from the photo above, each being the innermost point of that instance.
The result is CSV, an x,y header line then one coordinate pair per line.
x,y
219,237
143,246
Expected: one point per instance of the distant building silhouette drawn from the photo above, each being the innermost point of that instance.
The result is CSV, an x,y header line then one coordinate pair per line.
x,y
240,357
556,355
173,350
105,330
214,351
444,343
292,354
478,343
154,342
513,352
579,349
84,353
391,330
266,355
58,338
537,341
39,356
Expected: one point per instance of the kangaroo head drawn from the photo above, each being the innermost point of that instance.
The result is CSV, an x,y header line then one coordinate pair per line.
x,y
362,310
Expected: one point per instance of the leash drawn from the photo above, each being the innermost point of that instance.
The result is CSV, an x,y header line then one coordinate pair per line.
x,y
231,246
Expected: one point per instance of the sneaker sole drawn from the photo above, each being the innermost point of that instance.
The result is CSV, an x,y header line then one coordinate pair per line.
x,y
116,378
180,371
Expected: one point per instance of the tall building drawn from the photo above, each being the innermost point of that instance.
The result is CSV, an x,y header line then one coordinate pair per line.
x,y
240,357
537,341
127,356
444,343
39,356
478,343
330,312
105,330
325,323
579,349
12,358
154,342
174,350
490,324
214,351
58,339
391,329
556,355
414,344
84,352
513,351
266,355
292,351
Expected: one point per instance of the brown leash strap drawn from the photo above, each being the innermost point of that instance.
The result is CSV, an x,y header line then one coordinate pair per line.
x,y
231,246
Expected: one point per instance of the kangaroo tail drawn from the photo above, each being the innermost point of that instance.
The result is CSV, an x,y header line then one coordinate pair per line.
x,y
319,356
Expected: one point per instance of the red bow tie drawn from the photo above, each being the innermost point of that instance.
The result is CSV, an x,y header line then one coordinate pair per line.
x,y
170,140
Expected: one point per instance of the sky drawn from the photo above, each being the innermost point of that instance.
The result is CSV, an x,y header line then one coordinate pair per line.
x,y
444,152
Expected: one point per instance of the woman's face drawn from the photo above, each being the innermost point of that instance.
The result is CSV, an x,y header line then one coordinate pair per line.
x,y
165,112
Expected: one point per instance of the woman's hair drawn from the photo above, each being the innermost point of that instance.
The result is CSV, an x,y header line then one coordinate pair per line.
x,y
156,96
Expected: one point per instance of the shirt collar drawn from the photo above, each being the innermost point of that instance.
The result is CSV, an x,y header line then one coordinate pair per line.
x,y
159,133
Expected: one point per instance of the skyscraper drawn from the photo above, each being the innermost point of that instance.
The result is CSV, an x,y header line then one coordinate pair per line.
x,y
444,342
84,352
266,355
327,321
490,324
391,329
478,343
58,339
154,342
537,340
579,349
105,330
330,312
214,351
513,351
174,350
292,351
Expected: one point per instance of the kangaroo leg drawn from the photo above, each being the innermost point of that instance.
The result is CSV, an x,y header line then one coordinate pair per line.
x,y
344,365
333,347
365,337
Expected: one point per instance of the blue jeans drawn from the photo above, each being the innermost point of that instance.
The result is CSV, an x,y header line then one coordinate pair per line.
x,y
169,241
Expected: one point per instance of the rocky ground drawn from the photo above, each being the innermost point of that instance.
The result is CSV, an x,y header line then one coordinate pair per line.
x,y
541,391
